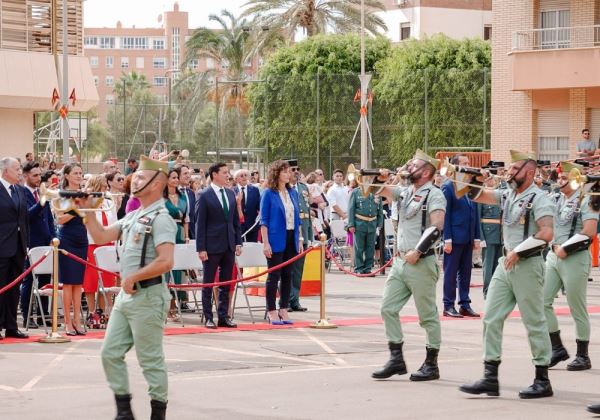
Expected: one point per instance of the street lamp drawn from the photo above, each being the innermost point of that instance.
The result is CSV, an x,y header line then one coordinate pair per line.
x,y
168,75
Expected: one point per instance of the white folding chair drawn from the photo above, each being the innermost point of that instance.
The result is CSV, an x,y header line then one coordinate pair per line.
x,y
45,267
185,258
339,242
252,256
106,258
390,235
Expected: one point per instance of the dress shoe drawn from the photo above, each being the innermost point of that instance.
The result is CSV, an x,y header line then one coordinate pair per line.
x,y
40,322
297,309
210,324
32,324
186,308
451,312
594,408
467,311
15,334
226,323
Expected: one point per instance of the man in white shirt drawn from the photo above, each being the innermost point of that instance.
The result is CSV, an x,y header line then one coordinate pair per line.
x,y
338,197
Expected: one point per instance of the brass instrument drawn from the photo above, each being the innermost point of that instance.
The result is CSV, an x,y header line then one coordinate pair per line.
x,y
64,201
462,175
577,179
358,175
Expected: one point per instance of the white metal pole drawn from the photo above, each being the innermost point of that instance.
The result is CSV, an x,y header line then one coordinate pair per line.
x,y
364,145
65,83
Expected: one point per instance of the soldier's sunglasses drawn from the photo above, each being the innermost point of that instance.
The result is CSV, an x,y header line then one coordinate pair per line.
x,y
295,169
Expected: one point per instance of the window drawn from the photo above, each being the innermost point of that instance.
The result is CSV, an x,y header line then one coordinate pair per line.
x,y
161,99
124,62
210,63
134,42
193,64
159,81
109,81
110,99
175,47
96,81
107,42
553,148
109,62
90,41
404,31
159,63
487,32
158,44
94,61
556,33
139,62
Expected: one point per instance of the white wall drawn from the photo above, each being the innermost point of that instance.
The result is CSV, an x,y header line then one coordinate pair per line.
x,y
16,137
393,19
455,23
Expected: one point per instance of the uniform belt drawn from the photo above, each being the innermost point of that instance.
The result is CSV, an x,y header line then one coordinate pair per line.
x,y
150,282
402,254
365,218
537,254
494,221
304,215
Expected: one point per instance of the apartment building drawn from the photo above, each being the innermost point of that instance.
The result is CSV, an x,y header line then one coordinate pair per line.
x,y
28,71
457,19
545,75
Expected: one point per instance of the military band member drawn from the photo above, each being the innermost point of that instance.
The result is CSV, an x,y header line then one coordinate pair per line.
x,y
527,224
365,216
568,265
414,270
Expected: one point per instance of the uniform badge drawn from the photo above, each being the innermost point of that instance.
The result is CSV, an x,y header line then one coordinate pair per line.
x,y
417,198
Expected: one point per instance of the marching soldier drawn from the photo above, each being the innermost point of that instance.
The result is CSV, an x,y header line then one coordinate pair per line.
x,y
527,225
414,271
568,265
365,215
146,238
305,235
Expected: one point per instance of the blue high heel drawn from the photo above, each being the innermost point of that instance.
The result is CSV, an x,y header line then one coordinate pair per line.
x,y
274,322
285,321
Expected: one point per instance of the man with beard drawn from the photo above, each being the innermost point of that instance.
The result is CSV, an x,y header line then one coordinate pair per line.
x,y
519,277
414,271
568,265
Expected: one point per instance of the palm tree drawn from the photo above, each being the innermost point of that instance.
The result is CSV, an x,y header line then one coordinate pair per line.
x,y
316,16
130,83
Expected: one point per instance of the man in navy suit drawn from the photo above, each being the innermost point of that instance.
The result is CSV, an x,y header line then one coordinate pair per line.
x,y
461,236
41,232
14,233
218,240
249,199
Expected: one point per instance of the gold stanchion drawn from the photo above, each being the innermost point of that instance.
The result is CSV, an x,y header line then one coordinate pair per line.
x,y
54,336
323,323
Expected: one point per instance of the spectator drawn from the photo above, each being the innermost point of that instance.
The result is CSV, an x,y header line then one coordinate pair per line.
x,y
184,187
116,185
131,166
318,202
249,198
45,165
338,197
280,223
28,158
109,167
52,166
73,238
586,147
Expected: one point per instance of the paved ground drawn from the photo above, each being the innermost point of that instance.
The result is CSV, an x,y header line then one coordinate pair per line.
x,y
303,373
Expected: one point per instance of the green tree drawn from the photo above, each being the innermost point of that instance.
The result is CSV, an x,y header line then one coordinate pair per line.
x,y
315,17
129,83
432,94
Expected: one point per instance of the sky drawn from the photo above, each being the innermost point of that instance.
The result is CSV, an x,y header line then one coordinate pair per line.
x,y
144,13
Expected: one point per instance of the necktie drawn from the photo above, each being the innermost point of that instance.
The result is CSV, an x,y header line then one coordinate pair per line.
x,y
36,196
225,205
14,196
243,198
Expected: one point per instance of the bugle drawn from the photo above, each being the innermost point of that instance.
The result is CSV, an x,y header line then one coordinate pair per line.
x,y
358,175
461,177
64,201
577,179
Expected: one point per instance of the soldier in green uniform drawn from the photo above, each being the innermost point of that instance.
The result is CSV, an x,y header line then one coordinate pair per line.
x,y
305,235
146,245
527,225
422,207
568,265
365,215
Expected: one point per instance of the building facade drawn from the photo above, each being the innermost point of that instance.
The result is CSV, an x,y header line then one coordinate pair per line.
x,y
545,76
457,19
29,72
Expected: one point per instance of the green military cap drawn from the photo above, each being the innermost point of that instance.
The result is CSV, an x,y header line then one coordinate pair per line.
x,y
153,165
516,156
566,167
421,155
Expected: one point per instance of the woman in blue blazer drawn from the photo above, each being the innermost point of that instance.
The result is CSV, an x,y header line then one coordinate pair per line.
x,y
280,222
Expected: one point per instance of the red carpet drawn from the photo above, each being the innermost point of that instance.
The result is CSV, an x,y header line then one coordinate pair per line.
x,y
262,326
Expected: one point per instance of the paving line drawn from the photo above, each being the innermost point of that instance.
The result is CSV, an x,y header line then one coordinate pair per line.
x,y
49,367
324,346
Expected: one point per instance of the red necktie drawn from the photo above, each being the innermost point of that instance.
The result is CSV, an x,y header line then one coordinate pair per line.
x,y
104,219
36,196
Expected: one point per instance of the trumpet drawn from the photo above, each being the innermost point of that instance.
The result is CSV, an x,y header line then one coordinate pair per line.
x,y
462,174
358,175
577,179
64,201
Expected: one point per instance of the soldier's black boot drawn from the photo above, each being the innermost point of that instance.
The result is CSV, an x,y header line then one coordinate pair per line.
x,y
394,366
489,384
429,369
124,407
594,408
159,410
559,352
541,385
582,359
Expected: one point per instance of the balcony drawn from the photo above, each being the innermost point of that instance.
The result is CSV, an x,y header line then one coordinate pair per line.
x,y
555,58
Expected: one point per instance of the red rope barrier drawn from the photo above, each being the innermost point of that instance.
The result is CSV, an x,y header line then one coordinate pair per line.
x,y
25,273
85,262
371,274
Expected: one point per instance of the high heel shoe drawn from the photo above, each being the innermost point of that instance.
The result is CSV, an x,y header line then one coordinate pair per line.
x,y
70,333
77,332
285,321
273,321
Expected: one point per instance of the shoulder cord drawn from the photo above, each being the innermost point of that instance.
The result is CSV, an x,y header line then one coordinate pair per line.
x,y
424,213
529,207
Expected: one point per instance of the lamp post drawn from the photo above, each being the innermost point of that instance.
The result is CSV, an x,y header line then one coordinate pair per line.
x,y
168,75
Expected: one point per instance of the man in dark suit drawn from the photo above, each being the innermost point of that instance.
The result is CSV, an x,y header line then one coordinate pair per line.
x,y
218,240
249,199
461,236
41,232
14,233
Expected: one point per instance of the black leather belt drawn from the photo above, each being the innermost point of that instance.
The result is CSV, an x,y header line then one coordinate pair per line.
x,y
150,282
428,253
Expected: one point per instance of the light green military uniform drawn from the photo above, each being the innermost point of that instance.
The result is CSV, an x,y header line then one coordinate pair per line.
x,y
572,272
139,319
365,215
306,233
523,284
418,280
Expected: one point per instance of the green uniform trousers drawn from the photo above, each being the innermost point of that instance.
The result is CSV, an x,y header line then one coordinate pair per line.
x,y
572,273
418,280
490,254
364,251
139,320
522,285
